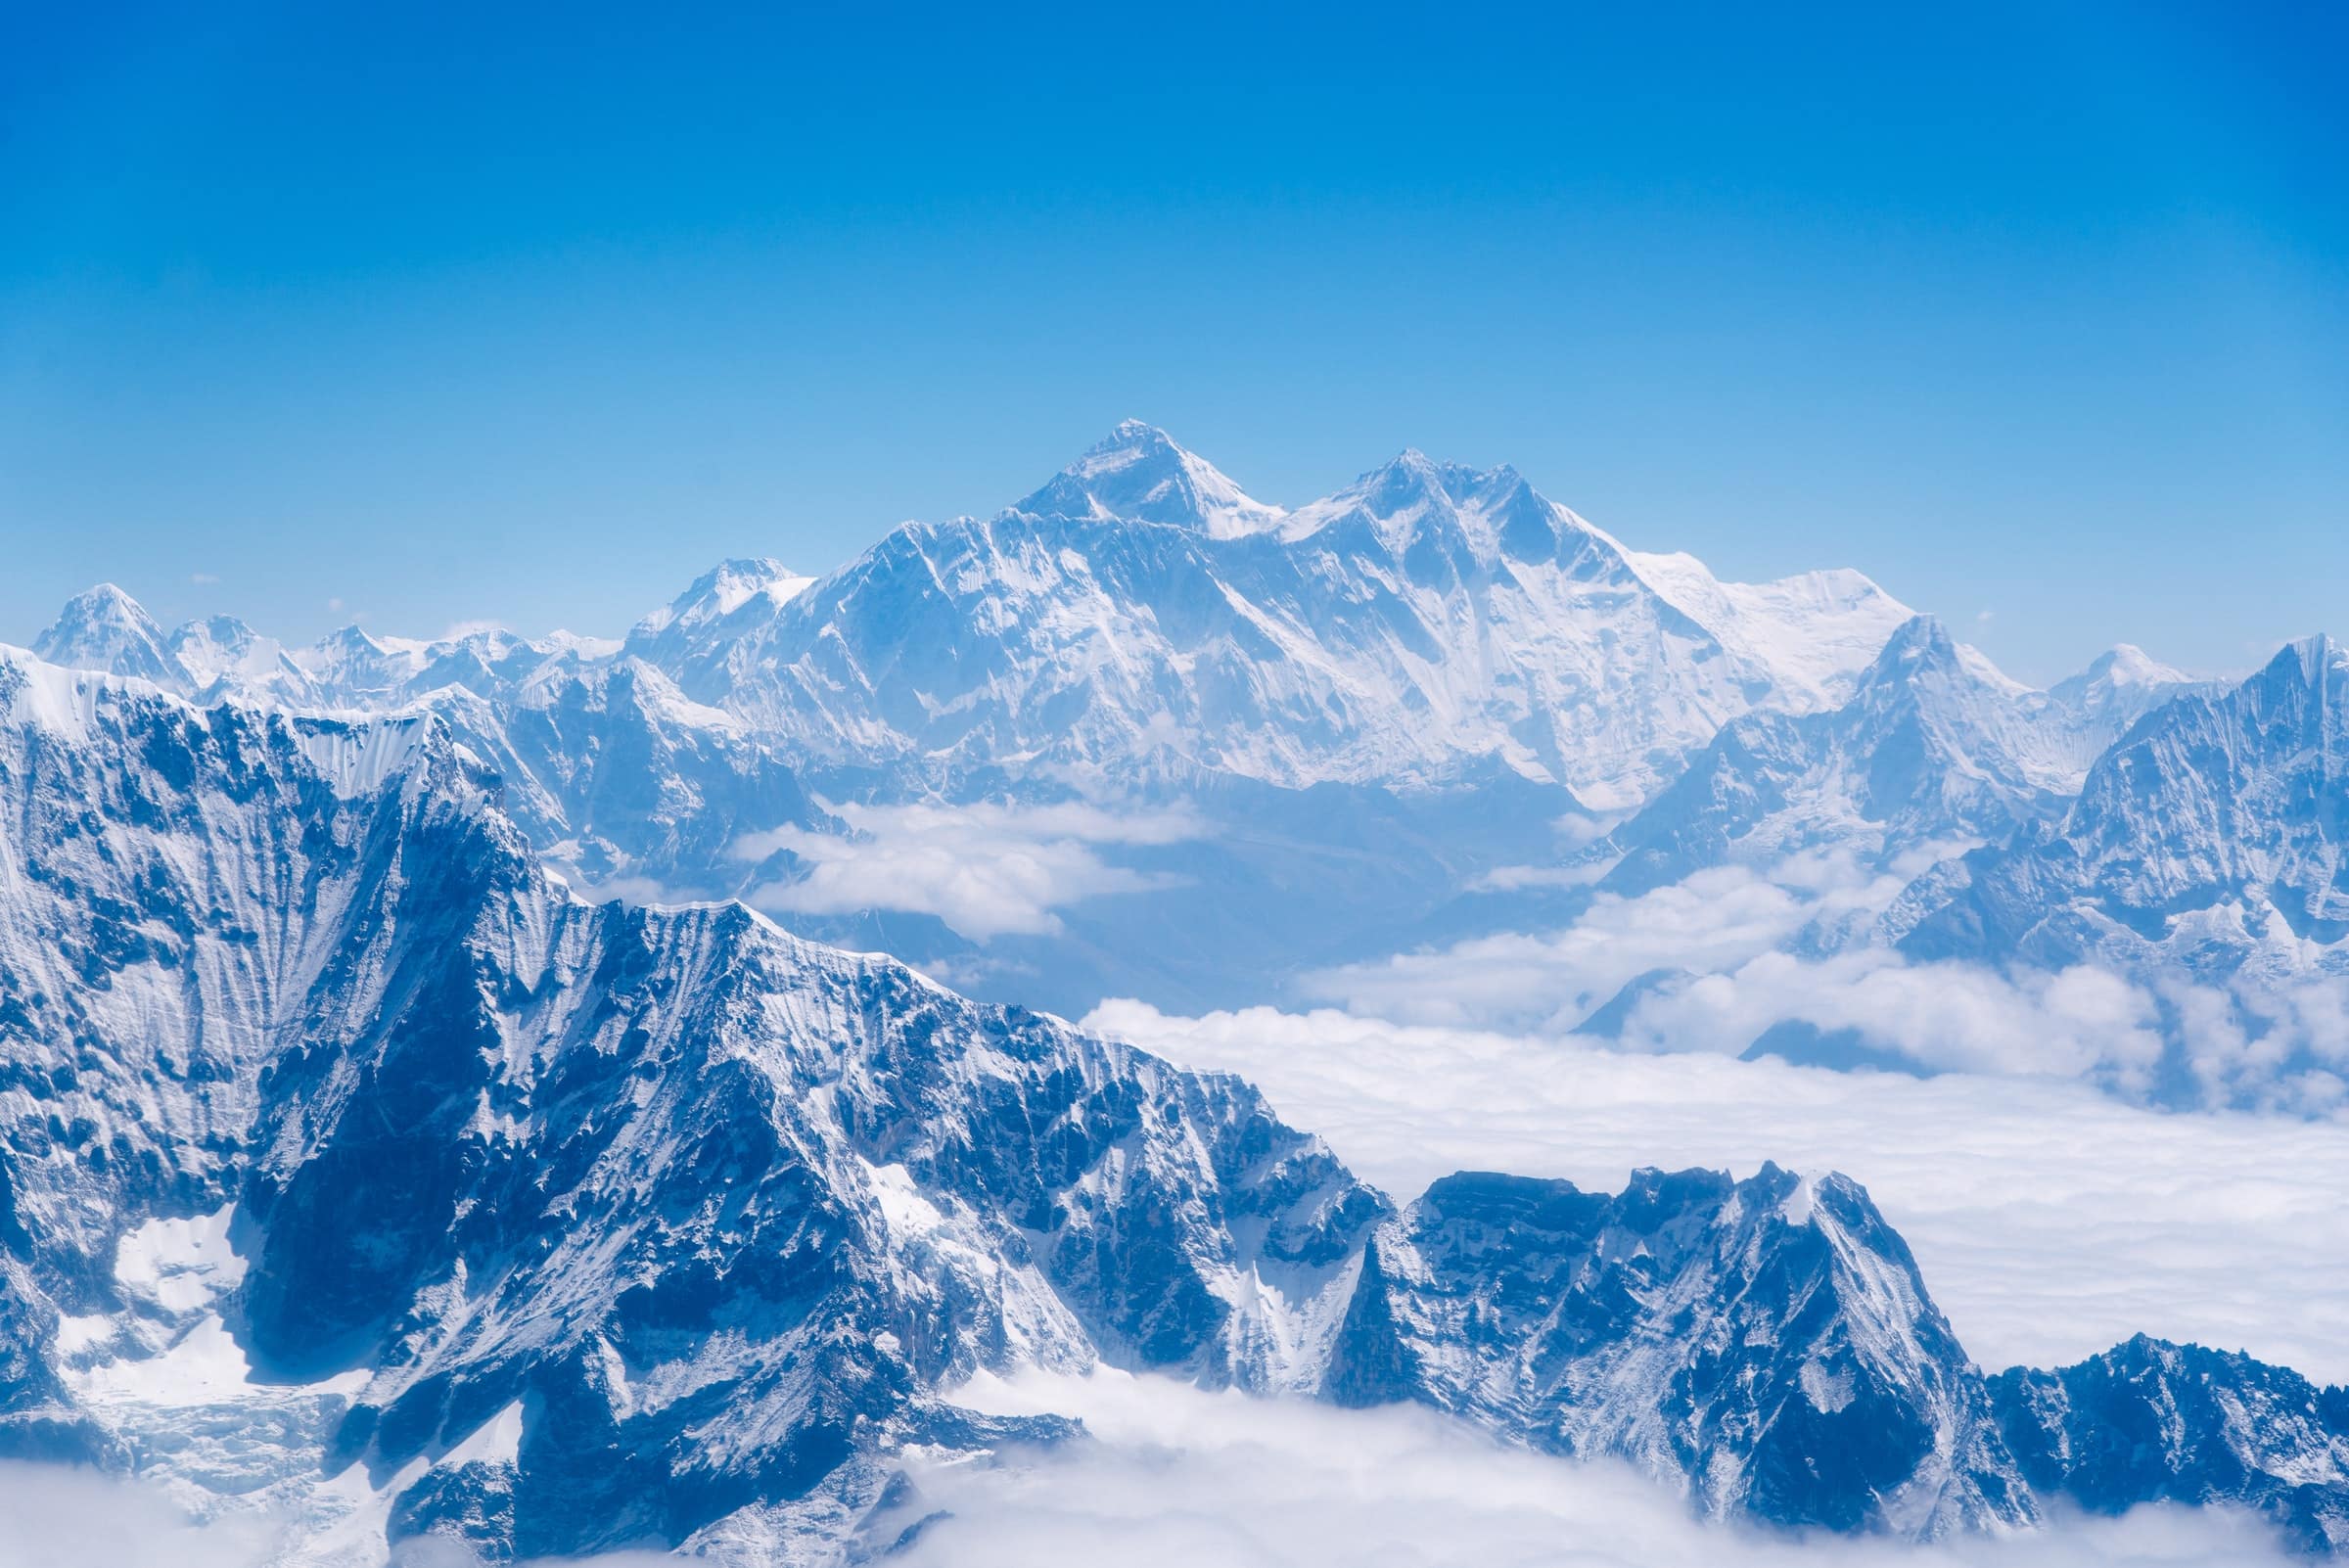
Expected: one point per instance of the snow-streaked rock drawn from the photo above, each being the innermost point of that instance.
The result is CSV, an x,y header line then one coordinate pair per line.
x,y
1768,1344
1934,746
2209,842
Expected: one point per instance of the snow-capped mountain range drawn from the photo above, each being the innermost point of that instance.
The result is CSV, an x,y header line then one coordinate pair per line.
x,y
357,1167
2214,838
1141,615
1933,746
1376,712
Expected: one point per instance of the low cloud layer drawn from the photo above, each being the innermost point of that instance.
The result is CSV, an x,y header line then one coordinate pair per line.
x,y
2050,1220
1728,953
986,871
1179,1477
52,1516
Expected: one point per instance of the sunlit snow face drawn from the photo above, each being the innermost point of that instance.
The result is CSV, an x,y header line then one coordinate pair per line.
x,y
2050,1220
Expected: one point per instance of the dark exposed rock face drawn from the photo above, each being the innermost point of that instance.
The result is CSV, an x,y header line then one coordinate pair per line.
x,y
1769,1340
2152,1421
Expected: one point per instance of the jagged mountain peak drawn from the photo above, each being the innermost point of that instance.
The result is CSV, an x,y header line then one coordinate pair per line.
x,y
2316,655
1921,652
223,653
731,593
1493,512
2209,838
2123,682
1923,635
1139,473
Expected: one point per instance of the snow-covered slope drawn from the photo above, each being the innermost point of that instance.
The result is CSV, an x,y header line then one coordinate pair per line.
x,y
576,1225
105,629
1141,616
1934,746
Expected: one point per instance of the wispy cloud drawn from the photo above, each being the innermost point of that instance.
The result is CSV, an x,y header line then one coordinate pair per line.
x,y
1731,951
987,870
204,579
56,1517
1712,922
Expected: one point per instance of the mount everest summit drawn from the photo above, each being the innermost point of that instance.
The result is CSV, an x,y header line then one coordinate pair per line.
x,y
438,1103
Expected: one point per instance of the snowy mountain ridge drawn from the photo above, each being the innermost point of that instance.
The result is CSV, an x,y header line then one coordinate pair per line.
x,y
1141,614
1933,745
1429,685
357,1167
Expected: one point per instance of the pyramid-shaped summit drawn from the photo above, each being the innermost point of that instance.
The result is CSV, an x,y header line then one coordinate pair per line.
x,y
1139,474
105,628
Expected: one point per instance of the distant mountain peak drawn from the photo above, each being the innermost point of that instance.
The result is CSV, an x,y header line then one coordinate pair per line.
x,y
723,589
1921,636
105,628
2314,654
1139,474
2125,663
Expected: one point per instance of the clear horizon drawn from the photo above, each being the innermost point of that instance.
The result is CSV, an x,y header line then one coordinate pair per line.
x,y
2041,321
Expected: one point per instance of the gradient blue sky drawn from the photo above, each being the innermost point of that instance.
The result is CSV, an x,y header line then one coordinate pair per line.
x,y
2038,313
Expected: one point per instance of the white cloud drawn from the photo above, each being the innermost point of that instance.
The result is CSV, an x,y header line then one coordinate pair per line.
x,y
986,871
1179,1477
2050,1220
1712,921
56,1517
2076,1023
204,579
1172,1475
1736,950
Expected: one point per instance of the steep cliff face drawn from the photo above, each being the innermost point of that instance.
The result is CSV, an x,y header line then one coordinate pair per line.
x,y
1142,616
2150,1420
355,1167
570,1224
1768,1344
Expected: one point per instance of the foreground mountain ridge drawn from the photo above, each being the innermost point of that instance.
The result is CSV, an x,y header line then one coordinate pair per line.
x,y
355,1165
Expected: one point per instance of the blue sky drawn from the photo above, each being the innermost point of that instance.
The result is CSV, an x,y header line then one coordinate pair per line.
x,y
2038,313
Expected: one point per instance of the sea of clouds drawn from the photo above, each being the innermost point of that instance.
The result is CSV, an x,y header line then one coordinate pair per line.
x,y
1176,1476
1179,1477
